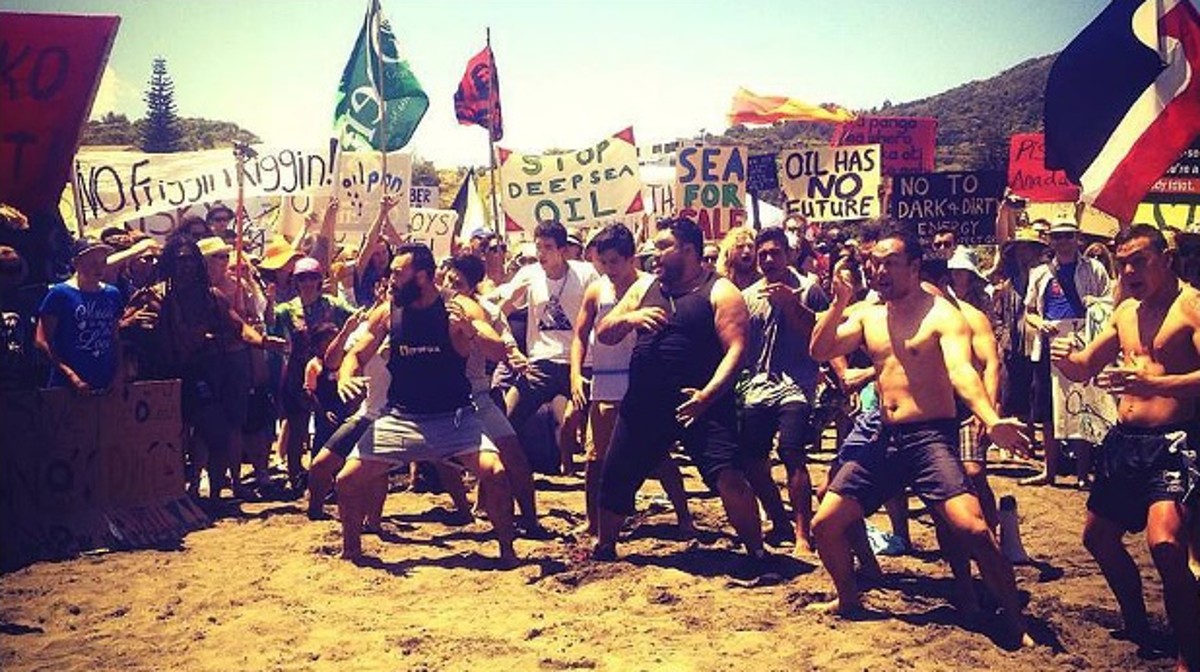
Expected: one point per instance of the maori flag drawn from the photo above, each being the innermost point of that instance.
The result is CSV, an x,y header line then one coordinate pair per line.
x,y
1123,100
477,101
380,102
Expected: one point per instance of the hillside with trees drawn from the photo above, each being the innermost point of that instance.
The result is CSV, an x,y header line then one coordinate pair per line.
x,y
975,119
118,130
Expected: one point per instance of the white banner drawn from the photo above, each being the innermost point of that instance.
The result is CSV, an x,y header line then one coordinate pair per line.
x,y
153,191
828,184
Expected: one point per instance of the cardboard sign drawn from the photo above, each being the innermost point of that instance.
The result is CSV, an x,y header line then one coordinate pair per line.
x,y
82,473
909,144
711,187
830,184
1027,174
596,184
51,68
761,173
433,227
1082,410
1181,182
423,197
964,201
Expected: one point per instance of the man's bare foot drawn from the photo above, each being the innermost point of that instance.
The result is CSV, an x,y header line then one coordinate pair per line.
x,y
835,607
351,554
508,559
804,549
1041,479
869,576
604,552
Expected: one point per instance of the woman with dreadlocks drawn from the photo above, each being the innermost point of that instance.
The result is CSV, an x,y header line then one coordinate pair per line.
x,y
197,329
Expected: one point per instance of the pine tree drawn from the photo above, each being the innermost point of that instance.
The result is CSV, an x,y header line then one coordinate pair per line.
x,y
161,132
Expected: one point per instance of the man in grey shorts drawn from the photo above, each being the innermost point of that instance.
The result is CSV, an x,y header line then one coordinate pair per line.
x,y
430,415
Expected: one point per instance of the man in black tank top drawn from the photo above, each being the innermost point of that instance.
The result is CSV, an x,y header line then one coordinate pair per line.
x,y
691,328
430,416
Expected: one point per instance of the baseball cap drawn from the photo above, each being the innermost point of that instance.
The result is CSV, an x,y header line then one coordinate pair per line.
x,y
307,265
85,245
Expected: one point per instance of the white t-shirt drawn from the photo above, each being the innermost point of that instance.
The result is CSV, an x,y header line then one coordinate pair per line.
x,y
553,306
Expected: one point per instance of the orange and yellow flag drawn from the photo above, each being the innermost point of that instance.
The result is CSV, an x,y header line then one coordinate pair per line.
x,y
748,108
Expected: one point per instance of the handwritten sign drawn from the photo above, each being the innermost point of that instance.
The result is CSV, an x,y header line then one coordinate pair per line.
x,y
51,67
118,186
908,143
963,201
1027,173
423,196
595,184
433,227
762,174
1082,410
711,187
829,184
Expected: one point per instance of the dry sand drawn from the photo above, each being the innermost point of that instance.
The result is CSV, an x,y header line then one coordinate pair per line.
x,y
265,591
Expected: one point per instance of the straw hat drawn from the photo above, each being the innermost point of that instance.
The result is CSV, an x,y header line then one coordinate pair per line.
x,y
213,245
277,253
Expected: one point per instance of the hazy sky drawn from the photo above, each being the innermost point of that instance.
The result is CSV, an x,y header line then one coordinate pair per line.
x,y
570,71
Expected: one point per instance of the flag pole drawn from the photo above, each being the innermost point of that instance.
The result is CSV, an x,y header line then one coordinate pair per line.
x,y
492,97
375,53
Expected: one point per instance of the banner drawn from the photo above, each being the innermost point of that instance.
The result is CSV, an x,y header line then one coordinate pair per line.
x,y
100,471
433,227
762,174
711,187
1181,182
1028,176
909,144
51,68
963,201
829,184
116,186
592,185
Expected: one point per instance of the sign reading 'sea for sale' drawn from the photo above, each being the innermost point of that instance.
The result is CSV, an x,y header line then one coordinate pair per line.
x,y
595,184
711,187
829,184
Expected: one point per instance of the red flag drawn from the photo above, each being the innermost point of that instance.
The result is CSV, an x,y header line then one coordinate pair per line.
x,y
477,101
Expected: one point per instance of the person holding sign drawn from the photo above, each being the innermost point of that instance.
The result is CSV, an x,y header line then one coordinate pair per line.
x,y
1147,476
919,437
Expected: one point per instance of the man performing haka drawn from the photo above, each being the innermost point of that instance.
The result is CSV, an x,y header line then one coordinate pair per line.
x,y
430,415
1146,468
920,348
691,332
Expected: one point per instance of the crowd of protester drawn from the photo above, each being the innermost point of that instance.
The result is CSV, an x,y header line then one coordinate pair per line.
x,y
309,370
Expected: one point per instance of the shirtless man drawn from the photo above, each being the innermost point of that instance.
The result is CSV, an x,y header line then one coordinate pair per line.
x,y
1146,474
917,383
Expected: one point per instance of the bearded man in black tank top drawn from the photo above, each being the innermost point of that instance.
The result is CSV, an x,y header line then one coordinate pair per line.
x,y
430,415
691,331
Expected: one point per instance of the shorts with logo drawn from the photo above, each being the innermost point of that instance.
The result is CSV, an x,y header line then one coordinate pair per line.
x,y
771,407
433,437
1138,466
922,454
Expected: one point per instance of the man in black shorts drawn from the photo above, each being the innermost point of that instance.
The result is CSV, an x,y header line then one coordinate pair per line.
x,y
1146,476
920,348
691,332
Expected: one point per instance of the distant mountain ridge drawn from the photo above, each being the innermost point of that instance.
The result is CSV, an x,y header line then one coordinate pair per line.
x,y
975,119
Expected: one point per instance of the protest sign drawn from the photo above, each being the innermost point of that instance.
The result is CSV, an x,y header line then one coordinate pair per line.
x,y
433,227
908,144
1027,173
761,173
596,184
154,191
423,197
711,187
828,184
658,190
51,66
1181,182
83,473
963,201
1178,216
1082,410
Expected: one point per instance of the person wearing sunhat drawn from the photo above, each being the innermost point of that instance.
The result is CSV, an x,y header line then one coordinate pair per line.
x,y
77,323
278,261
297,320
967,282
1060,289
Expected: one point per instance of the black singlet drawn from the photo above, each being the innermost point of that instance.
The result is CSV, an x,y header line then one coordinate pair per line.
x,y
684,353
428,374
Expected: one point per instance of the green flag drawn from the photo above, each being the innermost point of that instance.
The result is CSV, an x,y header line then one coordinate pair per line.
x,y
380,101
